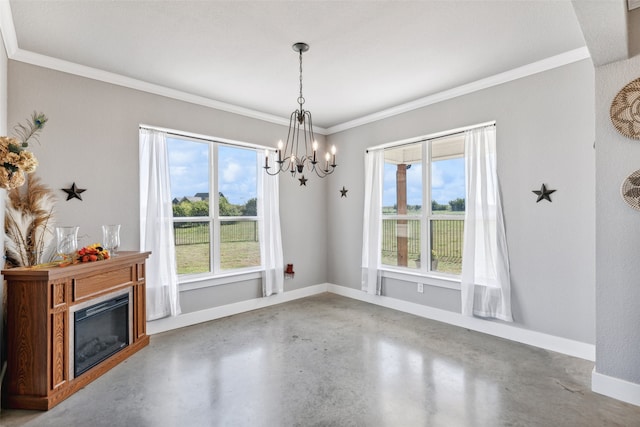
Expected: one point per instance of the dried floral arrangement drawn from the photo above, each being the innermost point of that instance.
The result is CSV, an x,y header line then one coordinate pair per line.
x,y
28,224
15,159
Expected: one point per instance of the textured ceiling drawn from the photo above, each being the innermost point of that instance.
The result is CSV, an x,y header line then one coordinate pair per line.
x,y
365,56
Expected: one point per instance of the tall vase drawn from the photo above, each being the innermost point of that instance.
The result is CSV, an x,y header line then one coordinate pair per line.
x,y
66,241
111,238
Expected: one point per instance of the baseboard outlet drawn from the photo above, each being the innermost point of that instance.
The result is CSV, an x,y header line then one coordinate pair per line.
x,y
188,319
498,329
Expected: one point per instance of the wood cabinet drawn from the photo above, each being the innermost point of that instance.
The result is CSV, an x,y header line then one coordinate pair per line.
x,y
40,302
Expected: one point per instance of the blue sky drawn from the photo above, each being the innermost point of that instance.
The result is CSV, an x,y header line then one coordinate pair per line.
x,y
447,182
189,169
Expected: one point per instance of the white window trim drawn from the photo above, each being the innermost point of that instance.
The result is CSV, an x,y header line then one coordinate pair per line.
x,y
425,217
199,281
203,280
424,276
432,278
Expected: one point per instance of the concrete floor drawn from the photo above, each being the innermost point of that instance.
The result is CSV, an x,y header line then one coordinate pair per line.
x,y
332,361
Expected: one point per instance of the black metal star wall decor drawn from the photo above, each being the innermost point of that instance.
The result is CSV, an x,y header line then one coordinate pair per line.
x,y
343,192
74,192
303,181
543,193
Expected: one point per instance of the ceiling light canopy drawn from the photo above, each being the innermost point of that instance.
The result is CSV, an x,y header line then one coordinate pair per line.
x,y
299,153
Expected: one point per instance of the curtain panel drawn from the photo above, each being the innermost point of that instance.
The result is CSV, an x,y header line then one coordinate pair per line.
x,y
485,279
270,235
371,226
156,226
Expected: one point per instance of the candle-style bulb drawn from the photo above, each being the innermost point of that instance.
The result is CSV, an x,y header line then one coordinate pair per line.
x,y
333,150
280,145
315,145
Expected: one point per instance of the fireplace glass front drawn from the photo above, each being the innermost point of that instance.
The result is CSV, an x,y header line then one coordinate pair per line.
x,y
100,331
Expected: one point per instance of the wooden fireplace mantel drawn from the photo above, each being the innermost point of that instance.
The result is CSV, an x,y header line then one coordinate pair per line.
x,y
39,303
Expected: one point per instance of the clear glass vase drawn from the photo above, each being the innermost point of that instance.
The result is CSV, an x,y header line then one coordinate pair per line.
x,y
111,238
66,242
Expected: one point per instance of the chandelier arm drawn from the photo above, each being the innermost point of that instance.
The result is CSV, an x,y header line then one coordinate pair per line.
x,y
292,120
305,131
277,171
312,136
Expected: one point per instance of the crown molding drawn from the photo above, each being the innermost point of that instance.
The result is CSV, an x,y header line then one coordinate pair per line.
x,y
497,79
7,28
8,32
120,80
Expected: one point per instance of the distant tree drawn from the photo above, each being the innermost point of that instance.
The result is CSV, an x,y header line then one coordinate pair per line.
x,y
457,205
226,208
435,206
200,208
250,208
182,209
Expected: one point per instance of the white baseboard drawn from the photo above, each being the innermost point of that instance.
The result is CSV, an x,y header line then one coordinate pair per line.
x,y
615,388
188,319
499,329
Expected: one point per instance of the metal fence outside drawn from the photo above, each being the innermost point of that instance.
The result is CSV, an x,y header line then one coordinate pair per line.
x,y
446,238
191,233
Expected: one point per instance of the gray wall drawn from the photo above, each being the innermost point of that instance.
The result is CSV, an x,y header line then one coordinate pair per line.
x,y
92,138
545,135
617,235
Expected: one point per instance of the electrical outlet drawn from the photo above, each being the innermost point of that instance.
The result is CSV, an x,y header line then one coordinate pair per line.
x,y
420,287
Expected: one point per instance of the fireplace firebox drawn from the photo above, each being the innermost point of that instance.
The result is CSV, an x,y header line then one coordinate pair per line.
x,y
99,331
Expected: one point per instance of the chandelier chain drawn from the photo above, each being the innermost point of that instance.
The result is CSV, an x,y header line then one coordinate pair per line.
x,y
301,98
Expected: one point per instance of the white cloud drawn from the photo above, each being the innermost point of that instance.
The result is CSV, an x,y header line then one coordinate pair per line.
x,y
231,172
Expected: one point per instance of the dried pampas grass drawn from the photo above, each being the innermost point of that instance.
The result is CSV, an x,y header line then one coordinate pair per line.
x,y
28,223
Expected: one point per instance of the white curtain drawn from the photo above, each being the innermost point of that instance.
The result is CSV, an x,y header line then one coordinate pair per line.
x,y
156,226
269,231
371,236
486,285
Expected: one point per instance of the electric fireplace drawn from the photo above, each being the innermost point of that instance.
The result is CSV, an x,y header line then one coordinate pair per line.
x,y
101,328
59,332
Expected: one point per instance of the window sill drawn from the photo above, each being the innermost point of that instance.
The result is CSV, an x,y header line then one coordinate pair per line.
x,y
205,281
429,279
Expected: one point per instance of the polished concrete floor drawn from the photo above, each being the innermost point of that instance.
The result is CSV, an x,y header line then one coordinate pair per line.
x,y
332,361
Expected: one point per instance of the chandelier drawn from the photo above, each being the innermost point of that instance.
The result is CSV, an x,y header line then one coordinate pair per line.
x,y
299,153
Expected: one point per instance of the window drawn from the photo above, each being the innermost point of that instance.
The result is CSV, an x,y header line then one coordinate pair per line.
x,y
214,195
428,170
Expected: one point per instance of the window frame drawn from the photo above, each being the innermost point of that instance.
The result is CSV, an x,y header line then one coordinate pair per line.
x,y
215,275
424,274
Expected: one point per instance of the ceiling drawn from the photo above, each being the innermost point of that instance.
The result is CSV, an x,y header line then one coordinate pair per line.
x,y
365,56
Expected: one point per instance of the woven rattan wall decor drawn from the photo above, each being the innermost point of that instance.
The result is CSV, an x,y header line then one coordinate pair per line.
x,y
625,110
630,190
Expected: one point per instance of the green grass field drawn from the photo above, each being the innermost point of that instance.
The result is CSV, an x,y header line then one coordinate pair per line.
x,y
239,248
193,259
